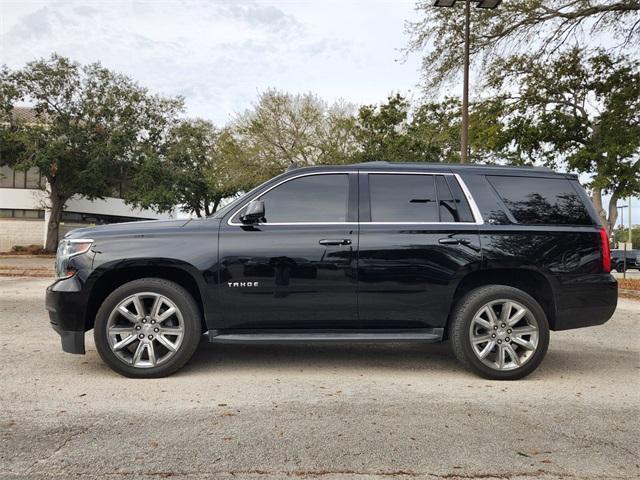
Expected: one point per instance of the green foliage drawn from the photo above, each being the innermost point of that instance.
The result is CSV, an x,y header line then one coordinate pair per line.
x,y
622,235
93,128
284,129
578,111
430,132
535,26
381,131
197,171
435,130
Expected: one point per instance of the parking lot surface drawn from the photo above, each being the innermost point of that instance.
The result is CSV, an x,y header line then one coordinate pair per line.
x,y
316,411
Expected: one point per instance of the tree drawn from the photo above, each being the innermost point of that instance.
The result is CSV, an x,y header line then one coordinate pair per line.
x,y
435,131
537,26
395,132
621,235
381,131
578,111
284,129
93,127
197,171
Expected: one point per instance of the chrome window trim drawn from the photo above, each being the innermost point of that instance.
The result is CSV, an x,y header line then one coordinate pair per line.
x,y
475,211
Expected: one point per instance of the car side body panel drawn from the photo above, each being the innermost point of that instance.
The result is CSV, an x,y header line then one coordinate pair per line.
x,y
280,276
406,278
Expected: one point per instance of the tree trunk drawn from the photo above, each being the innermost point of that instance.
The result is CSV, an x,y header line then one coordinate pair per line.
x,y
53,227
216,204
609,221
613,213
596,198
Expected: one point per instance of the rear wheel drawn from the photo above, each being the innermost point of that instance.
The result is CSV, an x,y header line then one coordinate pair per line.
x,y
499,332
147,328
620,267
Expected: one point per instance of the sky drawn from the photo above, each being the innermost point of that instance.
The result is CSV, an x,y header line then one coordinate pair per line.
x,y
220,54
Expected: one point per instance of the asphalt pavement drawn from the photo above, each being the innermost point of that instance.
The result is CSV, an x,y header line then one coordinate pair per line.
x,y
316,411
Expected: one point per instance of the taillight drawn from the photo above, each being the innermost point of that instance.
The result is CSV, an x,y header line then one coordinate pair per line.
x,y
606,252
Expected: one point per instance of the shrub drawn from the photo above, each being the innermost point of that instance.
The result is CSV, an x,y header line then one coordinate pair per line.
x,y
29,249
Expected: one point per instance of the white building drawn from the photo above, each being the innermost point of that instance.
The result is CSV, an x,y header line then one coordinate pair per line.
x,y
24,216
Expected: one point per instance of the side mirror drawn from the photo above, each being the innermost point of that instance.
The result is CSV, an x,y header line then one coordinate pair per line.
x,y
254,212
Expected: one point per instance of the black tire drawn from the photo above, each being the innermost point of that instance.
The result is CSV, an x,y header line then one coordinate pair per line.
x,y
620,267
190,315
460,325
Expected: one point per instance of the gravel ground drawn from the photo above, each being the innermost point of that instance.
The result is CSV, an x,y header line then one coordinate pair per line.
x,y
316,411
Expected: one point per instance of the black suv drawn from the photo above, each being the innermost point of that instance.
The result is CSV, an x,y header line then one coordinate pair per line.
x,y
489,258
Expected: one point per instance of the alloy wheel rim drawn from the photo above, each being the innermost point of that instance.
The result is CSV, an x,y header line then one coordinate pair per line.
x,y
504,334
145,330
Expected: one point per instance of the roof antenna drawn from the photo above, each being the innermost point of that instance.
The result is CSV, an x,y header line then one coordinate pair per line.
x,y
292,166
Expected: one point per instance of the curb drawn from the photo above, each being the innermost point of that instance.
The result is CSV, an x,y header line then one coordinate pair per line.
x,y
27,273
15,271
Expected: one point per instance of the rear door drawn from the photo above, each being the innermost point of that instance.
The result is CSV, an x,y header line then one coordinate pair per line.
x,y
418,237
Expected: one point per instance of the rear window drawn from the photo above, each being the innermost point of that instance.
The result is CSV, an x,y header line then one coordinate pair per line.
x,y
546,201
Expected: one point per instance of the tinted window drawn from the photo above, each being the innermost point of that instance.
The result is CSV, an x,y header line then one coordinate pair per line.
x,y
6,177
548,201
33,178
464,211
446,204
403,198
314,198
19,177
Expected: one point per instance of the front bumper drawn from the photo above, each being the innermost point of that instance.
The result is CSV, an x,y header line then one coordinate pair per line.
x,y
66,303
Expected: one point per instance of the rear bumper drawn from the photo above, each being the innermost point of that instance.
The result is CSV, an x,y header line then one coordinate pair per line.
x,y
585,301
66,304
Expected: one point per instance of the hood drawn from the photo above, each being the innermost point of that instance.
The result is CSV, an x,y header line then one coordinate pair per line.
x,y
128,228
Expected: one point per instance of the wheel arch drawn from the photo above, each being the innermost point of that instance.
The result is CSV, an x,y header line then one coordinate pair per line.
x,y
113,278
530,281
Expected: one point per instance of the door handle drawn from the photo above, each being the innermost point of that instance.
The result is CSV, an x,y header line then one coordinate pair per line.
x,y
328,241
454,241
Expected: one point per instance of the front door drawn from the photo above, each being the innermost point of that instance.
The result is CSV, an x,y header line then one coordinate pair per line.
x,y
418,237
296,268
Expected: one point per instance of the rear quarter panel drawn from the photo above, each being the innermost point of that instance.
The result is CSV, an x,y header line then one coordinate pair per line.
x,y
569,257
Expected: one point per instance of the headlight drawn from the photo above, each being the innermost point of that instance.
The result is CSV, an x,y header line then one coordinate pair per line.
x,y
67,249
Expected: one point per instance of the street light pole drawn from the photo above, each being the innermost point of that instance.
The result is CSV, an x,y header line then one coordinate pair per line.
x,y
624,250
487,4
630,226
621,207
464,135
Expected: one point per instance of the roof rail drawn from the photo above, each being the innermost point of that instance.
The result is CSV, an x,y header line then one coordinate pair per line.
x,y
374,162
453,165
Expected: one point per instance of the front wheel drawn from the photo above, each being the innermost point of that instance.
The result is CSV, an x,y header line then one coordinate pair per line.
x,y
147,328
499,332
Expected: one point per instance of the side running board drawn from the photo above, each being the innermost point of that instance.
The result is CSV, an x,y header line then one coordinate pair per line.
x,y
277,336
